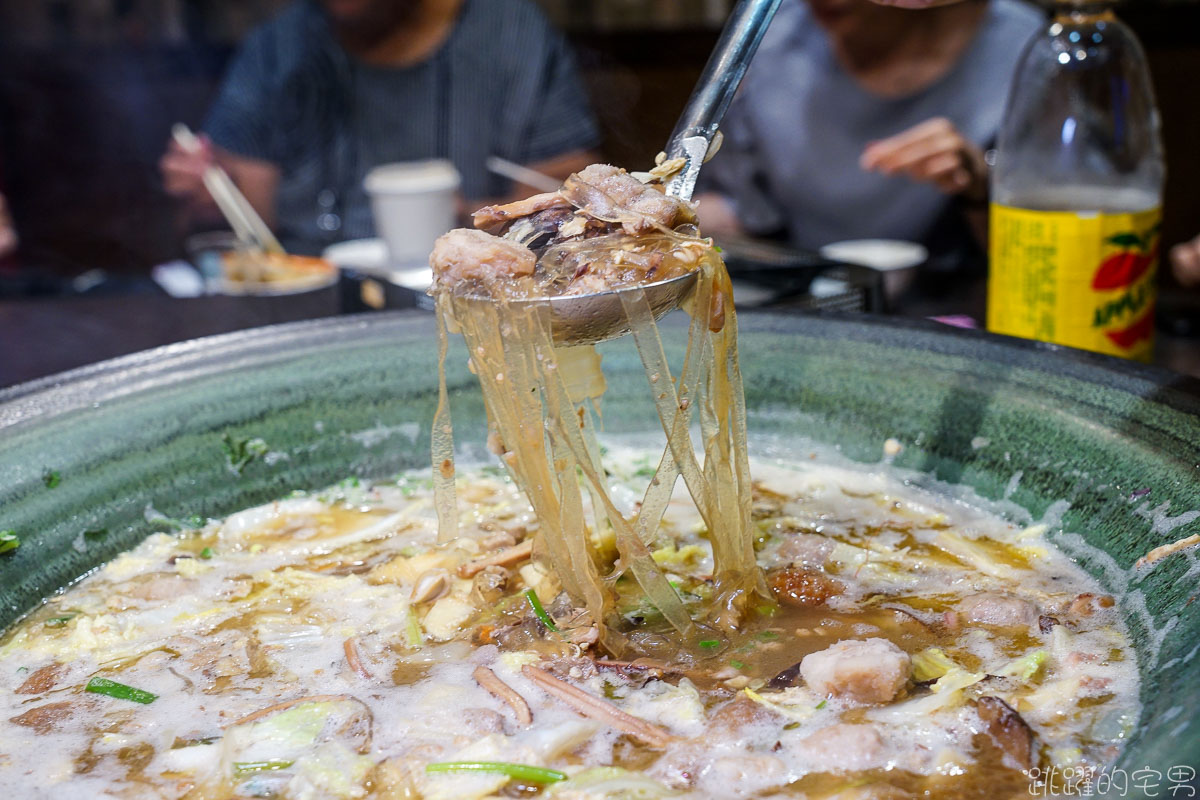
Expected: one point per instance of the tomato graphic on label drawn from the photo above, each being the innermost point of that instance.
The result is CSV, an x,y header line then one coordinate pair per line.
x,y
1141,330
1123,269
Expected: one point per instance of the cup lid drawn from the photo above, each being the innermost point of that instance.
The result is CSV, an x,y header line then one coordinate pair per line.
x,y
412,177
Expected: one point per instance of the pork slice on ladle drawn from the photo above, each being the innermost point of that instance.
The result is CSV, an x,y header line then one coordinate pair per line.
x,y
612,194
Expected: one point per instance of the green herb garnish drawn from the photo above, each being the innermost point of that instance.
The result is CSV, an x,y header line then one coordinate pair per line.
x,y
737,664
821,704
58,622
538,611
709,644
270,765
410,486
9,541
194,522
520,772
181,743
240,452
206,553
717,248
412,631
51,478
120,691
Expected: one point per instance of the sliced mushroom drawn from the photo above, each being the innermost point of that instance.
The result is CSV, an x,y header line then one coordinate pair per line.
x,y
430,586
489,584
507,557
1006,728
42,680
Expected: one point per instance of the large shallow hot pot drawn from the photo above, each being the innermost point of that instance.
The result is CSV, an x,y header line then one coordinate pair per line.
x,y
1108,453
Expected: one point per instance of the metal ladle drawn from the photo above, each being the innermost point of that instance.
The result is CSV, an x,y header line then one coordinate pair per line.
x,y
593,318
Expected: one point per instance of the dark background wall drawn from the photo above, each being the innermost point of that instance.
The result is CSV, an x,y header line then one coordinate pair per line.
x,y
86,104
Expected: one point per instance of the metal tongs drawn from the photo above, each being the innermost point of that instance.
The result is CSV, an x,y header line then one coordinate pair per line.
x,y
592,318
697,126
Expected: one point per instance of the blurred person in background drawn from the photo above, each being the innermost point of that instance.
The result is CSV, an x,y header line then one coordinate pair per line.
x,y
8,233
858,120
1185,263
331,88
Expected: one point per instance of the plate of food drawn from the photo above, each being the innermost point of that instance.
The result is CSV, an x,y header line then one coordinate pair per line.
x,y
231,268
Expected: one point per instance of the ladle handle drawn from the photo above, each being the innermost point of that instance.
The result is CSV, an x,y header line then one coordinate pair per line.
x,y
714,91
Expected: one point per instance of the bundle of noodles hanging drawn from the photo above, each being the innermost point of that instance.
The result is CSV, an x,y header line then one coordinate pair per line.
x,y
605,230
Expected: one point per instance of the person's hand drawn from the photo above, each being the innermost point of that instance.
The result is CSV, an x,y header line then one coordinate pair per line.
x,y
934,152
8,232
183,171
1185,262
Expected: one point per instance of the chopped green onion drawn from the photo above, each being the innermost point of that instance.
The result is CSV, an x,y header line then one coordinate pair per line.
x,y
767,610
791,726
709,644
768,636
270,765
190,523
717,248
240,452
412,631
206,553
737,664
51,478
9,541
540,612
821,704
58,622
519,772
120,691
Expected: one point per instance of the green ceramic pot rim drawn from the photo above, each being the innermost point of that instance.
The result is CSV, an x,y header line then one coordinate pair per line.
x,y
1104,451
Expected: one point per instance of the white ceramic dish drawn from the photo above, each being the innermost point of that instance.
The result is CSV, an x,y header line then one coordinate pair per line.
x,y
884,255
371,257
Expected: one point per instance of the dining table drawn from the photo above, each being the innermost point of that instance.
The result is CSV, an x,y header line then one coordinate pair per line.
x,y
40,337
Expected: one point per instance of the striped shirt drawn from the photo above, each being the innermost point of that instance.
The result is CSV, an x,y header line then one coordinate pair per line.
x,y
504,83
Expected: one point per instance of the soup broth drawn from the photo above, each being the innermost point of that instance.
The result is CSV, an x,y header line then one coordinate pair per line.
x,y
328,645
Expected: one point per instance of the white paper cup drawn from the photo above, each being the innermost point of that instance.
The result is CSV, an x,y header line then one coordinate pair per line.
x,y
413,204
898,260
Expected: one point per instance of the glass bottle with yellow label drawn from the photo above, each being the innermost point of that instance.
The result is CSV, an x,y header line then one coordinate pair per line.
x,y
1077,190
